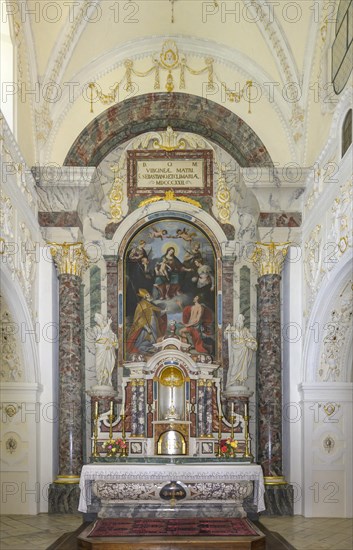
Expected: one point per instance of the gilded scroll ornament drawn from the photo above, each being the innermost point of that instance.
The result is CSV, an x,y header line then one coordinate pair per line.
x,y
170,141
116,196
169,196
11,409
69,258
328,444
268,258
223,200
11,445
330,408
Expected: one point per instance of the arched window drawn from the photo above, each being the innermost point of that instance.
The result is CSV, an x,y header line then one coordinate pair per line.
x,y
347,132
342,47
7,84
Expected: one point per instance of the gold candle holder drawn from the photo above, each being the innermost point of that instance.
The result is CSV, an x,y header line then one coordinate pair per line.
x,y
247,452
95,452
219,454
232,418
111,417
123,435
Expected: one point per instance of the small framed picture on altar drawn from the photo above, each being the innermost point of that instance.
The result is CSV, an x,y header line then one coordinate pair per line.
x,y
207,448
135,447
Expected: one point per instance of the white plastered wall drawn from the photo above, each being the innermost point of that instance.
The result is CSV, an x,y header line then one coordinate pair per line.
x,y
28,287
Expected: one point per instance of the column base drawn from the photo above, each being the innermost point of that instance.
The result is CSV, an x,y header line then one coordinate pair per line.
x,y
67,480
279,500
63,498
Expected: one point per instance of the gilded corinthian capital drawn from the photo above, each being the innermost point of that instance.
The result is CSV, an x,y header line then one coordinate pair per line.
x,y
268,258
69,258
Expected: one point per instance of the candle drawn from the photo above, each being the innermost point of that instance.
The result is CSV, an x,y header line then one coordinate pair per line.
x,y
246,409
111,407
232,409
219,426
96,409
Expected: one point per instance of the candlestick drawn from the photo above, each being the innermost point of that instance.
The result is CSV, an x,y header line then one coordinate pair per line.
x,y
220,426
123,426
111,415
218,454
123,434
247,452
232,426
95,452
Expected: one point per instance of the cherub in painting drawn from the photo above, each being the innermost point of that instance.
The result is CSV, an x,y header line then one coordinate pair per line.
x,y
184,234
156,233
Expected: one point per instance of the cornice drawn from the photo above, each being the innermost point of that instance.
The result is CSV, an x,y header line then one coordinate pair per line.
x,y
326,391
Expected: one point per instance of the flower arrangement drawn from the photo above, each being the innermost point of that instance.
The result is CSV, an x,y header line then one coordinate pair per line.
x,y
228,446
114,446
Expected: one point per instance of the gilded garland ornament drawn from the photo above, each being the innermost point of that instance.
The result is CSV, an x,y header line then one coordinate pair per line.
x,y
171,61
268,258
69,258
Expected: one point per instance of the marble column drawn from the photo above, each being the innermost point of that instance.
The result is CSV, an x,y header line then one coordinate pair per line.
x,y
134,414
227,303
208,408
70,261
112,312
201,392
269,258
141,407
112,290
269,379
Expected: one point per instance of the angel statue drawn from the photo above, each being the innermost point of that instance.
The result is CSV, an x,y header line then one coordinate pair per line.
x,y
106,342
241,346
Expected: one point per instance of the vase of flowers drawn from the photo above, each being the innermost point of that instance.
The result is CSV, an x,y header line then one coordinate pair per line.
x,y
227,447
115,447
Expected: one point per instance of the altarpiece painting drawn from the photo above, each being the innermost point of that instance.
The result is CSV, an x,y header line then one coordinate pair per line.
x,y
170,288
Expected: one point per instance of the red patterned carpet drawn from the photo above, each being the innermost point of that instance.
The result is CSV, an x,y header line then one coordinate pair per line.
x,y
138,527
69,541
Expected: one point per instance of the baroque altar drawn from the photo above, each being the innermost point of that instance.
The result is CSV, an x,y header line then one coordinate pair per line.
x,y
170,315
166,404
160,450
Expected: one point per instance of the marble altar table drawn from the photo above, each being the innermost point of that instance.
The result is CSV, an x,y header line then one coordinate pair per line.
x,y
169,489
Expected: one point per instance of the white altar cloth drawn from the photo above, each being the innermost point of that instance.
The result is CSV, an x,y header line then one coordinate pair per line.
x,y
221,472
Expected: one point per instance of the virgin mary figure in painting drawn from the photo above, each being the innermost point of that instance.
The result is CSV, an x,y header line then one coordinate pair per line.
x,y
148,326
174,268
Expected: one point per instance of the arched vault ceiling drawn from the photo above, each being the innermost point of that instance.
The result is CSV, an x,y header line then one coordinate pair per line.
x,y
73,33
157,111
274,44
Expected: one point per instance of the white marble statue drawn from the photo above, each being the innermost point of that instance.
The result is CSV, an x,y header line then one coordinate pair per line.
x,y
241,346
106,342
